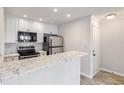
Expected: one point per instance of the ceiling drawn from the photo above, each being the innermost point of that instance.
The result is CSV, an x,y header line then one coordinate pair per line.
x,y
48,15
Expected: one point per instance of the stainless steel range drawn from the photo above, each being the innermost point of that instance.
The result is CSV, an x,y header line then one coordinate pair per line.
x,y
27,52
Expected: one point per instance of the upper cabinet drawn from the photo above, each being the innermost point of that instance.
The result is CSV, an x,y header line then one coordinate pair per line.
x,y
11,29
13,25
50,29
26,25
38,27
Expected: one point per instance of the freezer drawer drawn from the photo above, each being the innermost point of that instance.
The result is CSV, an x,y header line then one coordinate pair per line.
x,y
57,50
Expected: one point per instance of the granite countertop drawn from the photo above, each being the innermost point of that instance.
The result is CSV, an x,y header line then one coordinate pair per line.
x,y
9,55
41,51
20,67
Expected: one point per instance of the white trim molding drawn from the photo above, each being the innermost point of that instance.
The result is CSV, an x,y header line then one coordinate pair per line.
x,y
88,76
95,72
113,72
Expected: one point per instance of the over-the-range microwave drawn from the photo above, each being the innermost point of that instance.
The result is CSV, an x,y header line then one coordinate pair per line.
x,y
27,36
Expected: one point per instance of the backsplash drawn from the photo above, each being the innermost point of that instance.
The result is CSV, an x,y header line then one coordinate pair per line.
x,y
12,47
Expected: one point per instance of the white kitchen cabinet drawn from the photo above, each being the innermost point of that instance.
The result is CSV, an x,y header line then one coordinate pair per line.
x,y
13,25
26,25
41,28
39,37
11,29
50,29
11,57
38,28
23,25
42,53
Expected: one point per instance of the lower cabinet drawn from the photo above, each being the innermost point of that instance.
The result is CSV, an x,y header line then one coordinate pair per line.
x,y
42,53
11,57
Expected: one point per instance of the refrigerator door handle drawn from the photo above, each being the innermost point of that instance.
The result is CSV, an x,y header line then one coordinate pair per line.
x,y
50,42
50,46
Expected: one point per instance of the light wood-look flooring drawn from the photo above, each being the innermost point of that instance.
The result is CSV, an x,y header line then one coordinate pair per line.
x,y
103,78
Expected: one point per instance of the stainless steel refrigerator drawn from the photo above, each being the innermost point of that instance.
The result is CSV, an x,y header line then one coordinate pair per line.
x,y
53,44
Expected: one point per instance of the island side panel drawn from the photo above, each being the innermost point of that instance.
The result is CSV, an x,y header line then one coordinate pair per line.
x,y
66,72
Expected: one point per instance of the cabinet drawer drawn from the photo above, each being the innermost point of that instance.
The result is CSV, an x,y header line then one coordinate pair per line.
x,y
42,53
8,59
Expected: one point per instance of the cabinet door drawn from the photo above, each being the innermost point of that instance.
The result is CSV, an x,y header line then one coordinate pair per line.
x,y
50,29
39,37
39,30
11,29
24,25
31,26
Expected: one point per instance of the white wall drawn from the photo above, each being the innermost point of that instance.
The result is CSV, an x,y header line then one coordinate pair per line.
x,y
77,37
1,32
113,45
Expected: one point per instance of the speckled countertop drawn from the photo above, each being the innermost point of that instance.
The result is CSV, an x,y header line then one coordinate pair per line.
x,y
18,68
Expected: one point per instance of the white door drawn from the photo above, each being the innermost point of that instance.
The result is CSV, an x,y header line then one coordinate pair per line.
x,y
95,46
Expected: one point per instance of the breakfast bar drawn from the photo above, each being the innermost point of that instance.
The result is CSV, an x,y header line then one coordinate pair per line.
x,y
57,69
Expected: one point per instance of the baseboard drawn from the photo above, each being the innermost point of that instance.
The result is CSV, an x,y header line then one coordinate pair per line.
x,y
113,72
88,76
96,72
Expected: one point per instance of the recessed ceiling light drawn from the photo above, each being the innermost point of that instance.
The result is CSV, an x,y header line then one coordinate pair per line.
x,y
55,10
68,15
110,16
41,19
25,16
